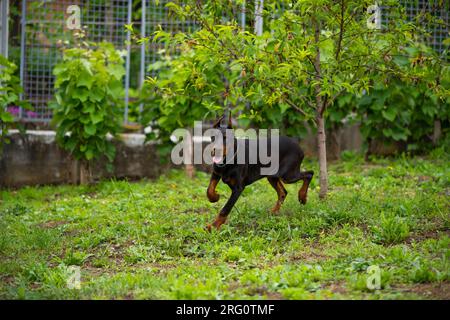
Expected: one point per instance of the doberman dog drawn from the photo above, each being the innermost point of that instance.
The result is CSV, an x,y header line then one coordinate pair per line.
x,y
238,176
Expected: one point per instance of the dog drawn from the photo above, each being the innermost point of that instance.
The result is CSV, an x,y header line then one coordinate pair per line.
x,y
238,176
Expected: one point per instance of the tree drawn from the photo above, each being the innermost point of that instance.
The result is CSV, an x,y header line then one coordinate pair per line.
x,y
314,52
337,53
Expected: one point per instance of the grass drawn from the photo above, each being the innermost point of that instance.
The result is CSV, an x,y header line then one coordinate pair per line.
x,y
146,240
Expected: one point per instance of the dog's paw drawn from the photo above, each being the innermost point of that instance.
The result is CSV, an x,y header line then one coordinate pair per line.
x,y
213,197
220,220
211,227
302,197
275,210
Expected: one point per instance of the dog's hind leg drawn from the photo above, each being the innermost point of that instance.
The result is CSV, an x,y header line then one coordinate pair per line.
x,y
303,192
281,192
306,176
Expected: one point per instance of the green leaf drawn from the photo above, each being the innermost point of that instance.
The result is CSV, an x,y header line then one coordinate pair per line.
x,y
80,94
90,129
89,154
85,79
389,114
398,135
96,94
117,71
96,117
6,117
387,132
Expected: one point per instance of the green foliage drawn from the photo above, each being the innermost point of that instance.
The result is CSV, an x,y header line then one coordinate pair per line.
x,y
398,110
145,240
10,91
392,229
163,101
275,79
89,100
423,272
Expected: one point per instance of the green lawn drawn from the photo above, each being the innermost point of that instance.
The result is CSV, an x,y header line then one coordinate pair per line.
x,y
146,240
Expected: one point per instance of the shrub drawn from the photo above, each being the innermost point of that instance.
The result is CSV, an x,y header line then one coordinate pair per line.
x,y
402,113
89,100
10,91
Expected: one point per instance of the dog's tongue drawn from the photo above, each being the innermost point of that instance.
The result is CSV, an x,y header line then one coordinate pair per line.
x,y
217,159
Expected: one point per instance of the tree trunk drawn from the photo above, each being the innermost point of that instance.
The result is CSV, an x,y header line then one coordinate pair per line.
x,y
85,173
437,131
75,171
320,107
189,155
322,153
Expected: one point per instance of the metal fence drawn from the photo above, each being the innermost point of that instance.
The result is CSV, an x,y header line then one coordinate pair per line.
x,y
44,26
44,23
4,12
439,30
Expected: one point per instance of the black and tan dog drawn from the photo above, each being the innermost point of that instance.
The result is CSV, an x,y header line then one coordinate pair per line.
x,y
238,176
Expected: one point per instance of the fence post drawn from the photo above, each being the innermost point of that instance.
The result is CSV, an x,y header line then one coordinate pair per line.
x,y
143,34
4,27
23,23
243,18
259,5
127,66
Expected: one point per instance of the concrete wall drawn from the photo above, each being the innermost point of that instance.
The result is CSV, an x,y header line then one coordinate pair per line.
x,y
35,158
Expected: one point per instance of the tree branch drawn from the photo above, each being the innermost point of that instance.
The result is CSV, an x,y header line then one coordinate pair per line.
x,y
341,31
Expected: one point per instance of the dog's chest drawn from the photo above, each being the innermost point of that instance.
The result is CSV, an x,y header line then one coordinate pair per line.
x,y
230,180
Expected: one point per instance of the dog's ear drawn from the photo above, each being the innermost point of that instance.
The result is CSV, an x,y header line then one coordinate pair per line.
x,y
218,121
230,125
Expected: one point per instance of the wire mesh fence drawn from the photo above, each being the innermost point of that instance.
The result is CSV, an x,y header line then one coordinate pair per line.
x,y
4,12
157,15
434,16
44,28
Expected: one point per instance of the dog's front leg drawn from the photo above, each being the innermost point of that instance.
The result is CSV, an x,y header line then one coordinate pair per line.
x,y
211,193
222,217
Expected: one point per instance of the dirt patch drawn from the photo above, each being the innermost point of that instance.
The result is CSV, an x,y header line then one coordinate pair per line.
x,y
422,179
128,296
95,272
260,291
160,267
52,224
71,233
312,253
274,296
438,291
35,286
429,234
202,210
337,288
8,280
311,257
263,291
